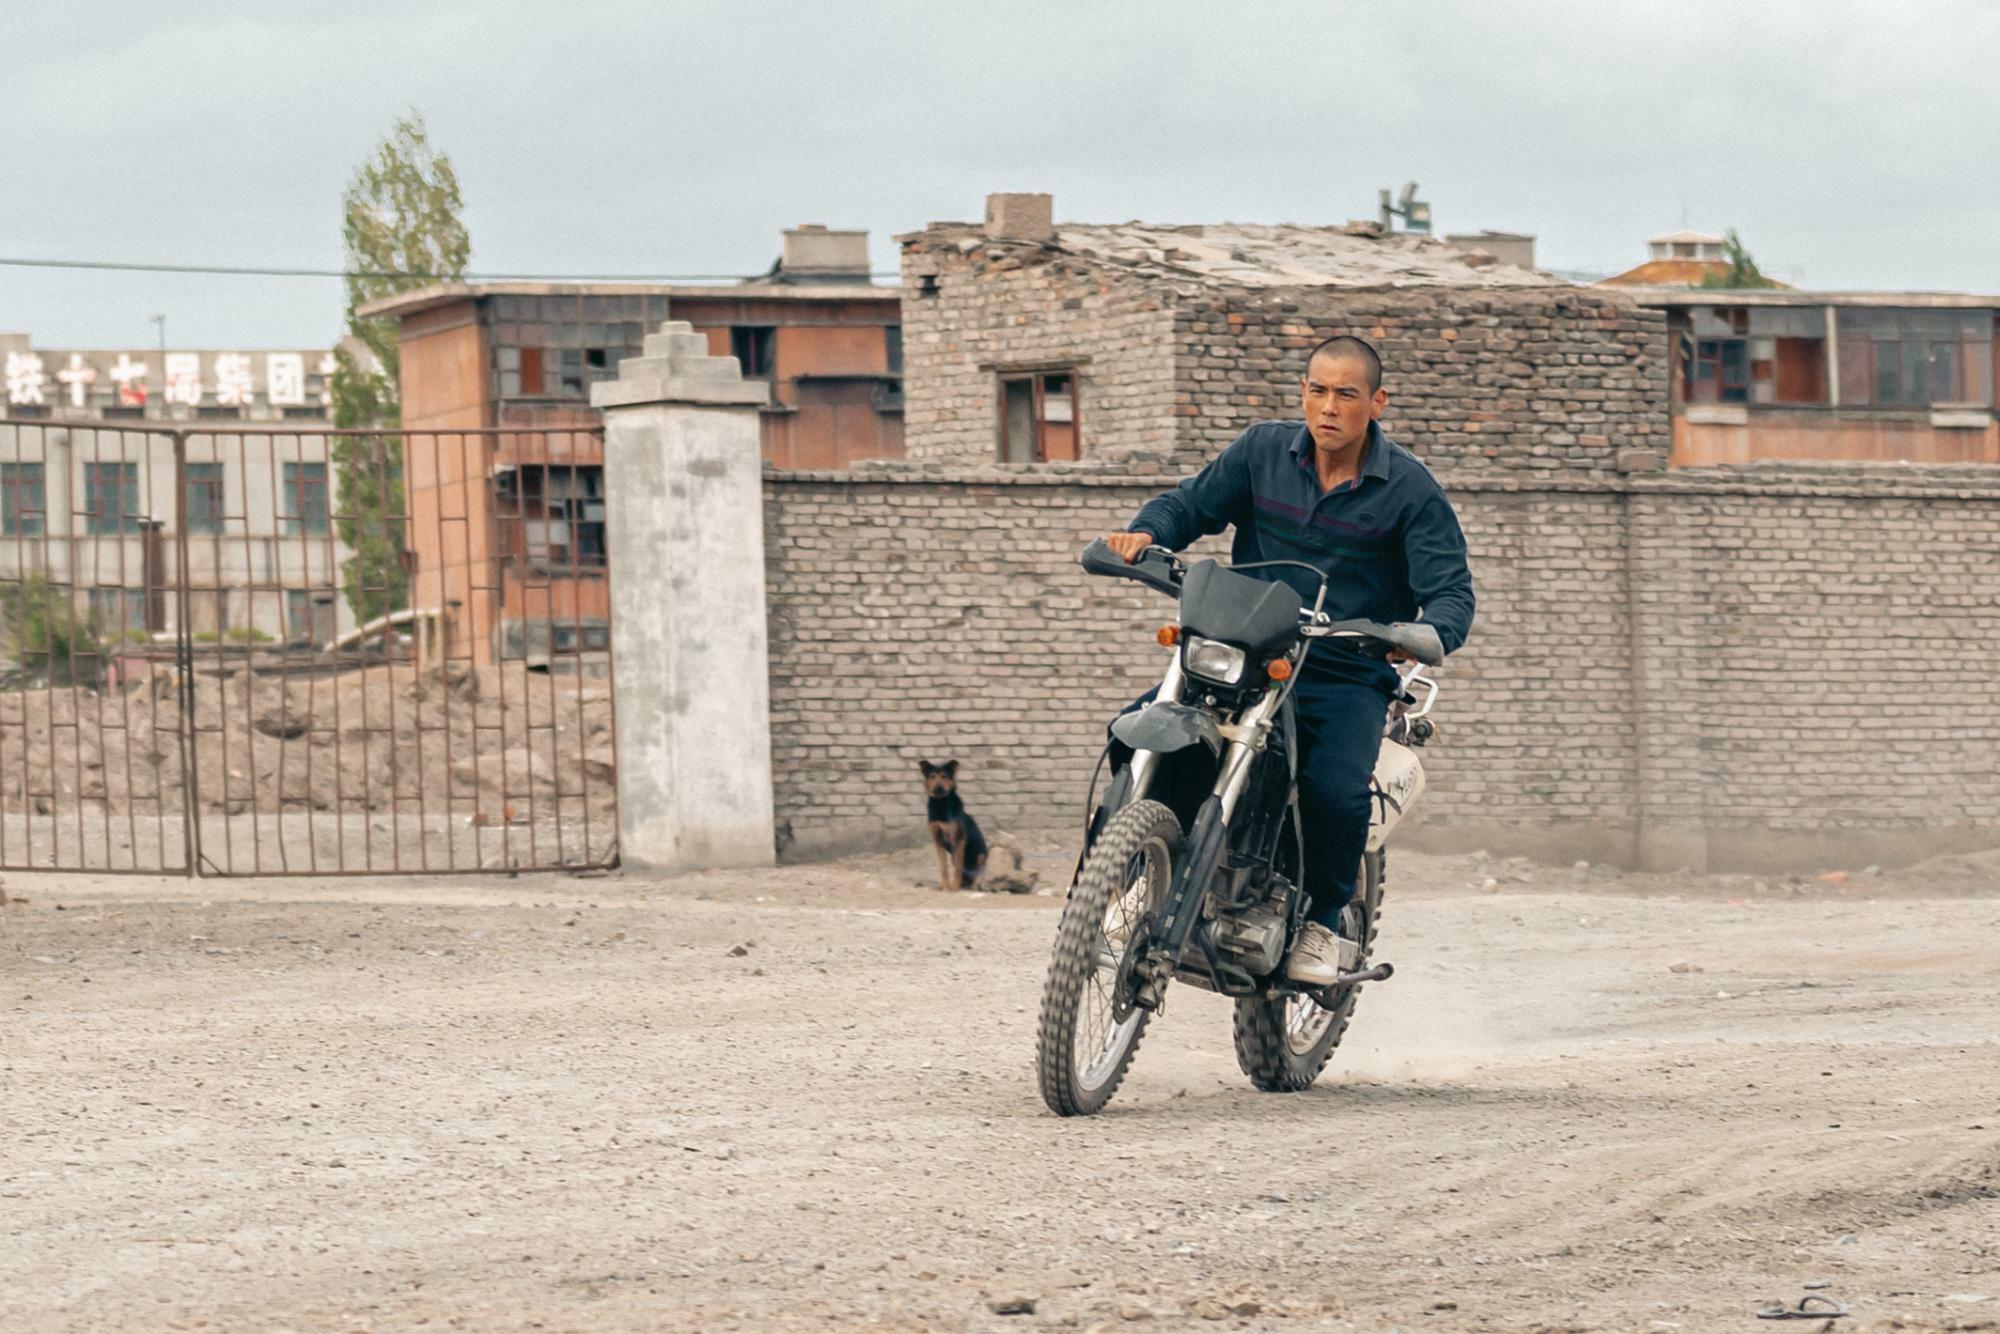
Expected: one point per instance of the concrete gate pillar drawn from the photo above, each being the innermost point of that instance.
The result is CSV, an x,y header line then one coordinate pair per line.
x,y
684,512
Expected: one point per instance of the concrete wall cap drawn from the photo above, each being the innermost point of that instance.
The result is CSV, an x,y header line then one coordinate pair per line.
x,y
675,367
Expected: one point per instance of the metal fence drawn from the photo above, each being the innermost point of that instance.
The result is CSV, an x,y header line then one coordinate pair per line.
x,y
245,650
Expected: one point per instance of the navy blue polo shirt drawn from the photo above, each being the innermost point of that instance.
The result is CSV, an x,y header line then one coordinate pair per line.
x,y
1389,539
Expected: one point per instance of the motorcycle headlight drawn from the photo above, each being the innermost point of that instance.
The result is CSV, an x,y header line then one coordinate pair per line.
x,y
1216,662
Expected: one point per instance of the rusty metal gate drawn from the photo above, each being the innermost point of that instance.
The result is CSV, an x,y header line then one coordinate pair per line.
x,y
250,650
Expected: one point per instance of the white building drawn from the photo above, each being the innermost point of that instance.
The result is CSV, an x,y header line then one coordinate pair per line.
x,y
101,500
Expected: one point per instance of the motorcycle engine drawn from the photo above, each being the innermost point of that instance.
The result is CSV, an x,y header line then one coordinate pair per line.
x,y
1253,940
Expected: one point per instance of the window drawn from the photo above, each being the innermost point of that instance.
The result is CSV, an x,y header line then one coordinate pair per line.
x,y
111,497
118,609
754,347
219,411
1719,371
584,638
1756,354
23,509
305,501
303,414
892,334
558,346
201,506
1039,420
1915,358
556,514
117,410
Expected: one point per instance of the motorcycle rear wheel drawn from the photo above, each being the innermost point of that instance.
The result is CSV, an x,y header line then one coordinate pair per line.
x,y
1089,1031
1283,1044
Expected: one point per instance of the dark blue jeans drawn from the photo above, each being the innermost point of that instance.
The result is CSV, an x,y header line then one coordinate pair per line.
x,y
1339,731
1340,734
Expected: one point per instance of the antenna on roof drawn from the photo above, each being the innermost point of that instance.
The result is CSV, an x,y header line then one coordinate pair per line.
x,y
1415,212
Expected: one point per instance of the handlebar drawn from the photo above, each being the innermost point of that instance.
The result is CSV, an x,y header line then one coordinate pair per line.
x,y
1157,568
1163,571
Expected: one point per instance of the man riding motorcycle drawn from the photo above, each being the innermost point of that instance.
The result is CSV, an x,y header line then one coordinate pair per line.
x,y
1334,492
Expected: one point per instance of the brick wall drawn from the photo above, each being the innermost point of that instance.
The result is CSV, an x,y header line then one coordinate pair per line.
x,y
1000,305
1815,662
1517,380
1525,380
1740,668
932,617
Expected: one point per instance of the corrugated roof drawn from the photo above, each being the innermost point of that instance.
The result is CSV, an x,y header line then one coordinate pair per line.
x,y
1285,255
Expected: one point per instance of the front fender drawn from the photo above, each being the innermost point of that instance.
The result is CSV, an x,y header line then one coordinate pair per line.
x,y
1166,727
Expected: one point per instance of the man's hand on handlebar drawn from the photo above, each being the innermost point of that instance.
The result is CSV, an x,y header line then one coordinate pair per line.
x,y
1128,545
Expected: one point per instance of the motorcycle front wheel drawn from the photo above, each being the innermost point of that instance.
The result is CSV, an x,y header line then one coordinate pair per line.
x,y
1283,1043
1089,1027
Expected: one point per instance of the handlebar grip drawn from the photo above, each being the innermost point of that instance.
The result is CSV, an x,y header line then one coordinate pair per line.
x,y
1099,558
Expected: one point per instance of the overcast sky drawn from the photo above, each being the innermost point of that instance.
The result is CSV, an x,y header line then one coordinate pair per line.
x,y
1852,144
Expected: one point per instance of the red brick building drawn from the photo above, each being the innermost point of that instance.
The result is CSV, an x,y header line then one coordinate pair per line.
x,y
508,531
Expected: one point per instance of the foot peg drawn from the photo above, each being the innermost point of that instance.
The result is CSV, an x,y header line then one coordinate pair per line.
x,y
1381,972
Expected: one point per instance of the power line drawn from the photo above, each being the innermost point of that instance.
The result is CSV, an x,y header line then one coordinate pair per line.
x,y
250,271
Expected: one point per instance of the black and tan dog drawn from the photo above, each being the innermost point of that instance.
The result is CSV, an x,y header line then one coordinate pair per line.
x,y
961,849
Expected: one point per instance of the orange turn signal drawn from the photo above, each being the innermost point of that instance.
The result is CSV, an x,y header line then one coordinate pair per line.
x,y
1279,669
1169,636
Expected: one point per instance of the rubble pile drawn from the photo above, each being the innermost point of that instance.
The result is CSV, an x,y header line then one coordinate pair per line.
x,y
497,745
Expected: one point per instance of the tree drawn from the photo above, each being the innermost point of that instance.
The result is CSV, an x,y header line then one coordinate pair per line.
x,y
44,635
1742,270
401,227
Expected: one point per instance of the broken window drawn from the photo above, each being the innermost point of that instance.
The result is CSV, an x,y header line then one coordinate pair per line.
x,y
1718,371
1787,354
1916,358
1039,417
555,514
558,346
579,638
754,346
1756,354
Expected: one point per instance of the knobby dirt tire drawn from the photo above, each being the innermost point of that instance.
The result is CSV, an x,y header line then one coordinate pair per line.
x,y
1145,827
1263,1050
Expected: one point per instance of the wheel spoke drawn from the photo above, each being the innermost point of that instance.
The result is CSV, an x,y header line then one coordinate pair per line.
x,y
1102,1037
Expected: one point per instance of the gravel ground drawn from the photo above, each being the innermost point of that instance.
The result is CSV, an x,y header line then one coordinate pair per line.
x,y
804,1098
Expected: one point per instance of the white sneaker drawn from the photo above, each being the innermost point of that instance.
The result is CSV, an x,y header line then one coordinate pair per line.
x,y
1319,956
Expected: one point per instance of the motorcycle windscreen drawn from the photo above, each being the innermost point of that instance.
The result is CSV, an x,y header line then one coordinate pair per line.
x,y
1259,615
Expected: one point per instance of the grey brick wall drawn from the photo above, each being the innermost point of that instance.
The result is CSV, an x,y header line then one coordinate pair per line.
x,y
1814,662
1738,668
1002,305
1534,380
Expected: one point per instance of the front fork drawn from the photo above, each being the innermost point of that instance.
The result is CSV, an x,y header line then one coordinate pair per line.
x,y
1207,839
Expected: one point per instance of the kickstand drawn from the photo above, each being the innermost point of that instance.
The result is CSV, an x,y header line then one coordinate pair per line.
x,y
1828,1309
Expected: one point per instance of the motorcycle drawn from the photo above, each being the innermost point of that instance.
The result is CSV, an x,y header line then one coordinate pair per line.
x,y
1190,865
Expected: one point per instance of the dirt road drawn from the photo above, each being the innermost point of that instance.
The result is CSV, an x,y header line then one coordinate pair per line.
x,y
804,1099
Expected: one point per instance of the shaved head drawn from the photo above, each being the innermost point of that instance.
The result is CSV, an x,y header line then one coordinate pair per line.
x,y
1344,346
